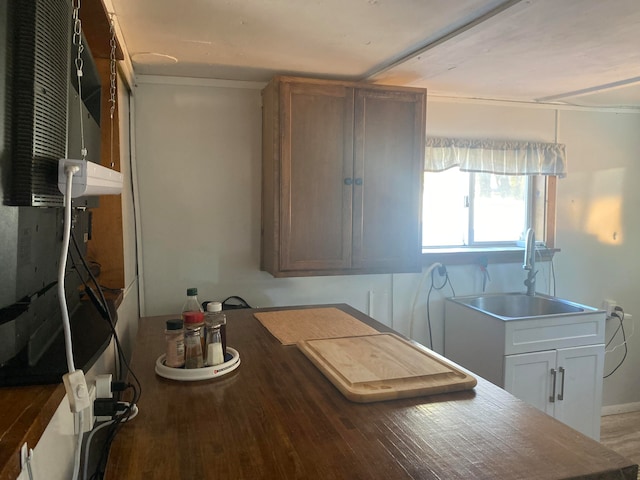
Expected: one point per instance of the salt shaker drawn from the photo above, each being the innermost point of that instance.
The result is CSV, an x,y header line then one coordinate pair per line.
x,y
215,356
215,317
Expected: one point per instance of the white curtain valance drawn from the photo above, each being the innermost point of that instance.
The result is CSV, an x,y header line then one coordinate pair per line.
x,y
494,156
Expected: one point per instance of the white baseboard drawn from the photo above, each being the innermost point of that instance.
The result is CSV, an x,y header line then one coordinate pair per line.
x,y
623,408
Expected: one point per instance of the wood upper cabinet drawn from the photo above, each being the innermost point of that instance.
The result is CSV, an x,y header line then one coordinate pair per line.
x,y
342,177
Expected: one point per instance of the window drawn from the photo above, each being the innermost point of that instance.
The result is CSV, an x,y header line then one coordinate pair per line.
x,y
482,195
475,209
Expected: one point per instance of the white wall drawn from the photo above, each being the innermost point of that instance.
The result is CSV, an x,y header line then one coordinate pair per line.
x,y
599,229
198,160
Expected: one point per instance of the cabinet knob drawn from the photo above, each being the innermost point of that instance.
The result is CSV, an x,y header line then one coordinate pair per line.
x,y
358,181
348,181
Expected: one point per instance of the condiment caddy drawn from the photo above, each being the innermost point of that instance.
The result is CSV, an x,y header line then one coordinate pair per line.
x,y
196,344
203,373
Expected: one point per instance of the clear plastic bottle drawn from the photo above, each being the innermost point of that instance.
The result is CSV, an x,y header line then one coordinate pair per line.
x,y
174,337
191,304
215,356
215,318
193,339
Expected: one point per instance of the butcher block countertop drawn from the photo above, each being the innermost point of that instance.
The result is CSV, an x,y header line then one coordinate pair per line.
x,y
278,417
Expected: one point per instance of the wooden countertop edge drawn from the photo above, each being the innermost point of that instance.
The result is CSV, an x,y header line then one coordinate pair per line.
x,y
41,402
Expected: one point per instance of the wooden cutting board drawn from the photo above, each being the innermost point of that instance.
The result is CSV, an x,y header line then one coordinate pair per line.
x,y
373,368
291,326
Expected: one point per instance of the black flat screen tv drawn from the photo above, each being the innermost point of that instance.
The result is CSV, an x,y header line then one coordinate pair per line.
x,y
39,118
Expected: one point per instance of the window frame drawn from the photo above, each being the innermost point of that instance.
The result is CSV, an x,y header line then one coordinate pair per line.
x,y
543,219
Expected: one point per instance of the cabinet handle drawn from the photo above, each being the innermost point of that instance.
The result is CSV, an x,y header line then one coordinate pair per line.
x,y
358,181
561,394
348,181
552,398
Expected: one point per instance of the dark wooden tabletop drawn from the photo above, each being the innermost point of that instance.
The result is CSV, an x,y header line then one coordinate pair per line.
x,y
278,417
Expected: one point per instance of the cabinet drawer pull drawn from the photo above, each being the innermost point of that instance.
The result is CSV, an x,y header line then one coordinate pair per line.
x,y
552,398
348,181
358,181
561,394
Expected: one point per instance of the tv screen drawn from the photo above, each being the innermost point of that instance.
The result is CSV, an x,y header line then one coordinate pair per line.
x,y
39,124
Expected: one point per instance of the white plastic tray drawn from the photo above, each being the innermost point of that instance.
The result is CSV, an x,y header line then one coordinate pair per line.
x,y
195,374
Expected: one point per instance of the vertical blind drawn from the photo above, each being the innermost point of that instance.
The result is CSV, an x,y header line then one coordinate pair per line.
x,y
494,156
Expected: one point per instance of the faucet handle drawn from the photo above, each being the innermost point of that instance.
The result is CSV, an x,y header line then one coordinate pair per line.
x,y
530,282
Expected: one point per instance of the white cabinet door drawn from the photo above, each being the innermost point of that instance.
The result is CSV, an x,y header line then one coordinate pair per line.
x,y
565,383
579,388
529,377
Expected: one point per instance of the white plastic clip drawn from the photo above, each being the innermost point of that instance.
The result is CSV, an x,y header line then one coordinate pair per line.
x,y
26,456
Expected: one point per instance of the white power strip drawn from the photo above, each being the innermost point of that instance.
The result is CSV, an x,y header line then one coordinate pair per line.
x,y
90,179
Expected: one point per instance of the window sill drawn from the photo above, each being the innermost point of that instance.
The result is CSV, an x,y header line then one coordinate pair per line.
x,y
482,255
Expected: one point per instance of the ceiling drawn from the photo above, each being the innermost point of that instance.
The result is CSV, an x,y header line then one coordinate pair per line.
x,y
581,52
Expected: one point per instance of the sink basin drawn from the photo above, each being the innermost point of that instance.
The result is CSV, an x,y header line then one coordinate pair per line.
x,y
519,305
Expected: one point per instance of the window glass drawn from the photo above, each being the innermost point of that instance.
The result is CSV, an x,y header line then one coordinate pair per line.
x,y
445,212
499,207
466,209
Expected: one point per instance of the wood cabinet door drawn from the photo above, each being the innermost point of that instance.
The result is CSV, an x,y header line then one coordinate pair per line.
x,y
388,156
316,158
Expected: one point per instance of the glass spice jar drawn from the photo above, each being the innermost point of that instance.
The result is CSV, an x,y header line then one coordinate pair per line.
x,y
174,340
193,339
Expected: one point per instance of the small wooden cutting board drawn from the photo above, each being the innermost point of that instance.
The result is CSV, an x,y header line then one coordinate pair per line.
x,y
291,326
373,368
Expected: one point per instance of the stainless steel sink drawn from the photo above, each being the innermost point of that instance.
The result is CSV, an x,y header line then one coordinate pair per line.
x,y
520,305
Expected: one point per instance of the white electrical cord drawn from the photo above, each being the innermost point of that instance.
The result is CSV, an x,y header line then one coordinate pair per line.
x,y
28,462
77,454
69,171
133,413
415,298
66,324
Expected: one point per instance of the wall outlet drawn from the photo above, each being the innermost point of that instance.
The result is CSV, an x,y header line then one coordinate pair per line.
x,y
608,306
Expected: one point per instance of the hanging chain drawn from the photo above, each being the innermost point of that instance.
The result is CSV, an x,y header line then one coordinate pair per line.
x,y
112,85
77,41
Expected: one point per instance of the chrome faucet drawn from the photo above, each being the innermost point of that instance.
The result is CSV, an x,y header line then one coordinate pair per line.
x,y
530,262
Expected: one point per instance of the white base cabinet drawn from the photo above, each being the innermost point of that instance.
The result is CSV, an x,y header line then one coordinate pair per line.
x,y
565,383
554,363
